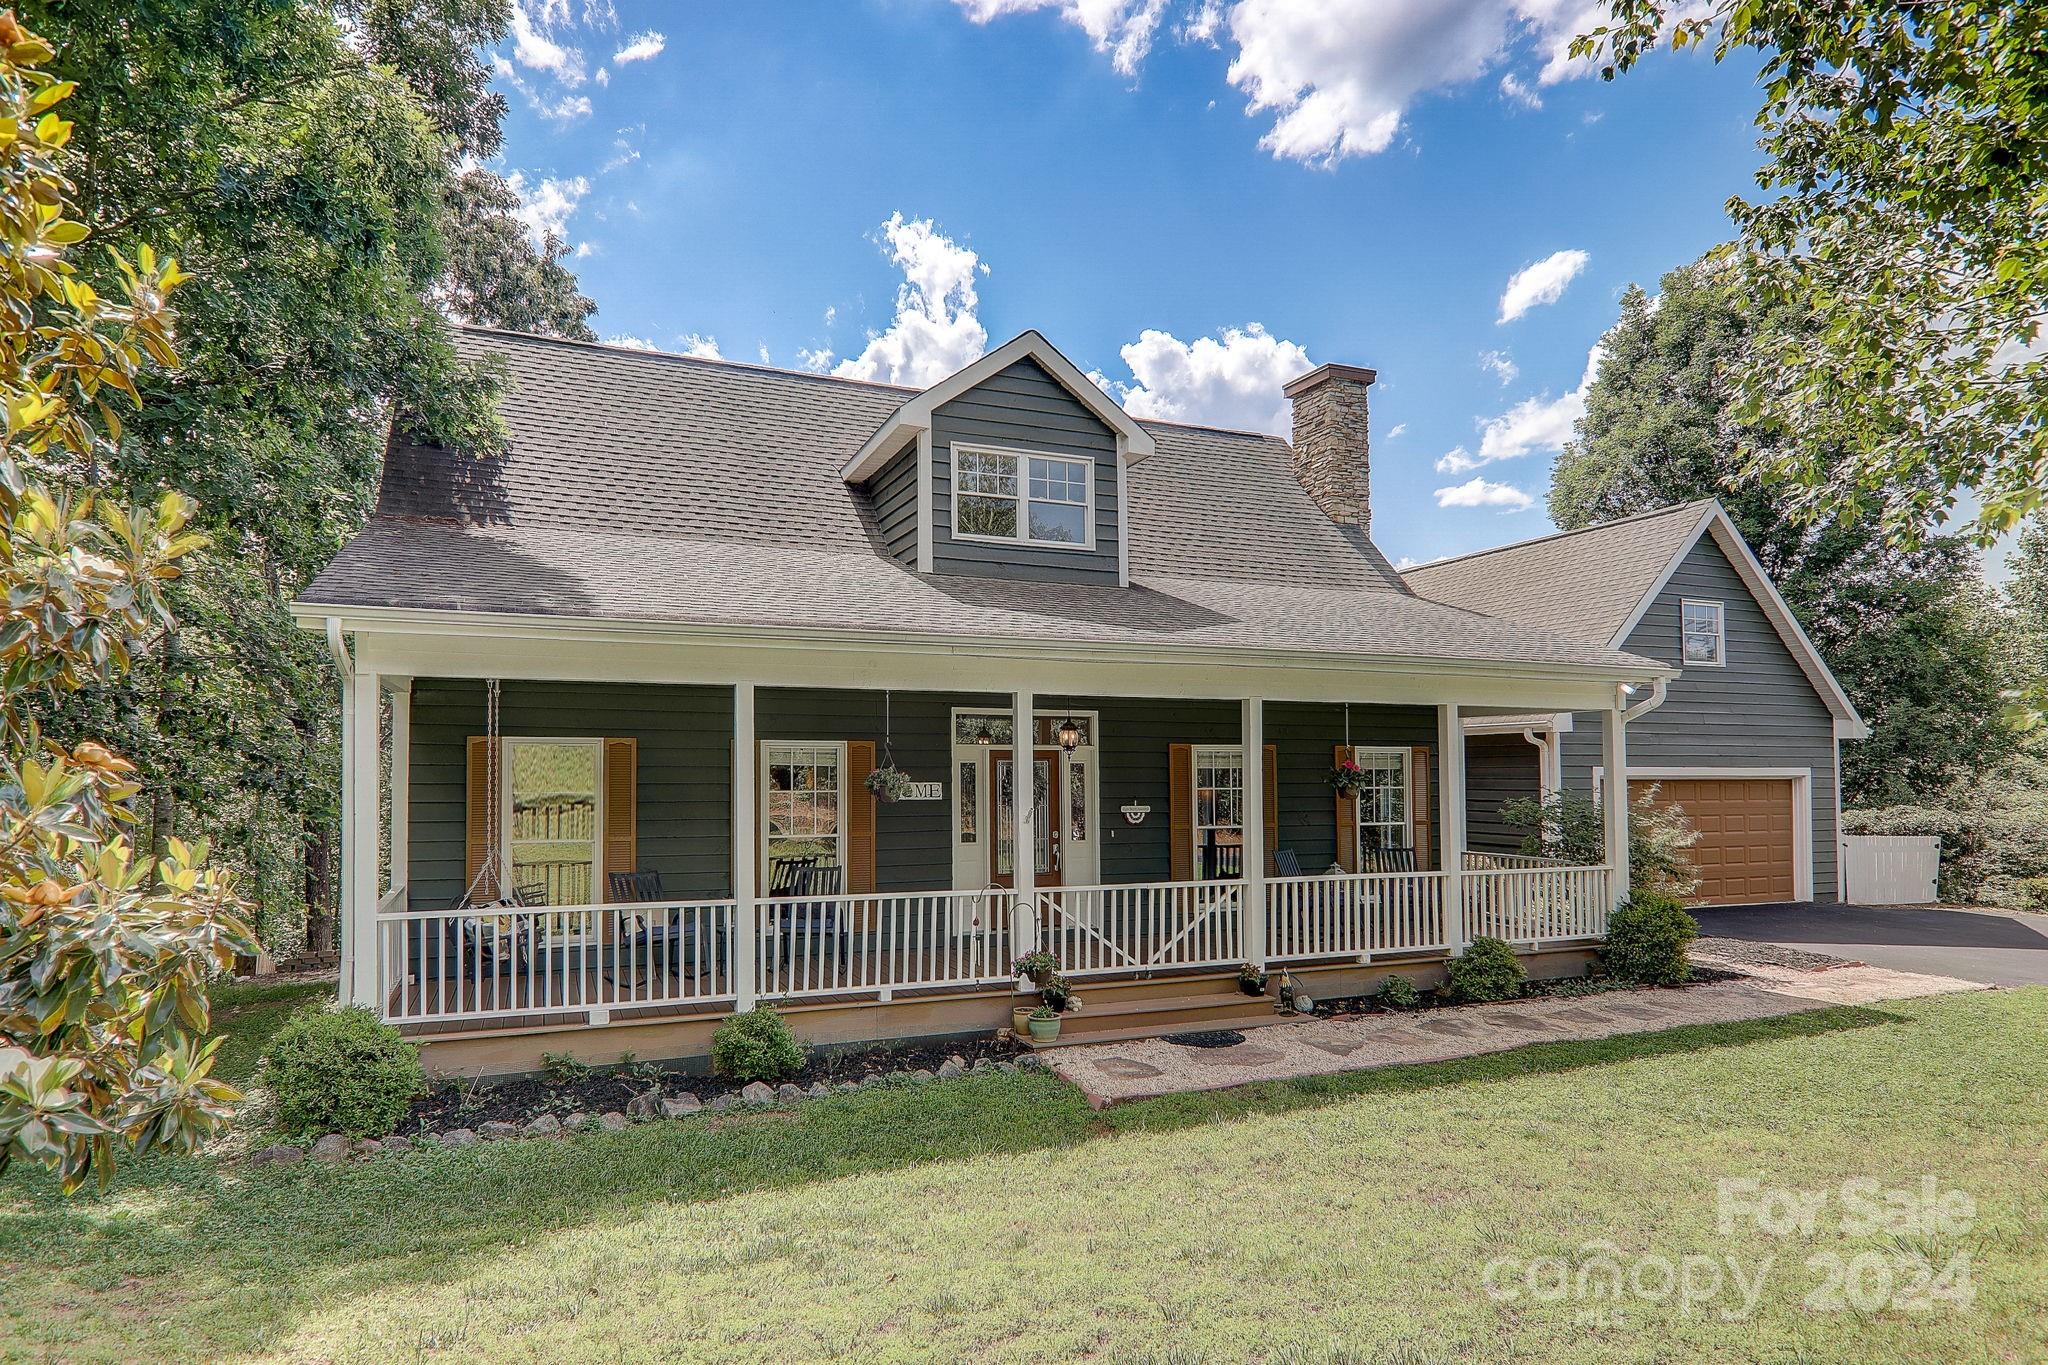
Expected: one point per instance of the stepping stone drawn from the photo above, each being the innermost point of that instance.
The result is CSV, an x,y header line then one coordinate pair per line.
x,y
1635,1009
1580,1014
1400,1037
1449,1028
1336,1047
1526,1023
1126,1067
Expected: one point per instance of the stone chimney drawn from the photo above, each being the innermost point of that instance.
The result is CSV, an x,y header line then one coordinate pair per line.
x,y
1332,449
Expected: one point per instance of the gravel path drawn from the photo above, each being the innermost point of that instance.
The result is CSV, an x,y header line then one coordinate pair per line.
x,y
1111,1073
1744,953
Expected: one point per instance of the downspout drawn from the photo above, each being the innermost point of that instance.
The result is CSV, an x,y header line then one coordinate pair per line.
x,y
1658,689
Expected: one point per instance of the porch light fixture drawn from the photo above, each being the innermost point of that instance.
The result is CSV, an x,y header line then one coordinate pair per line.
x,y
1069,735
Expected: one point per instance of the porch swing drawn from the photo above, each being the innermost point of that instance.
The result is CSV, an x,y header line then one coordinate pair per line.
x,y
483,946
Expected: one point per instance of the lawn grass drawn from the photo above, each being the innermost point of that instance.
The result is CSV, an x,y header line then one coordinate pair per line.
x,y
997,1218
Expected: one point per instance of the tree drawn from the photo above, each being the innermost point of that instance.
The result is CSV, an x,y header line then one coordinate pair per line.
x,y
1910,631
315,164
2026,595
1902,234
103,952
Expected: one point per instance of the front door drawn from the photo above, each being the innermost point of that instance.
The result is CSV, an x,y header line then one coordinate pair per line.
x,y
1045,827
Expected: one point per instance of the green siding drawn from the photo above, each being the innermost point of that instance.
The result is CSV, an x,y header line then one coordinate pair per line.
x,y
685,786
1307,736
1498,769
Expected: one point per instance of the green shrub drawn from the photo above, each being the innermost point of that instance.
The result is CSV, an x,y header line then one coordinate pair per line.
x,y
2032,894
1646,941
1572,828
341,1071
1486,970
1398,993
756,1046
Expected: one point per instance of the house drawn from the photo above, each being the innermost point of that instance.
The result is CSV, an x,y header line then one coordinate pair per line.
x,y
1747,740
638,669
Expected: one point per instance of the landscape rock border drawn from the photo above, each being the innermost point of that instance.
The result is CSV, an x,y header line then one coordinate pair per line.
x,y
651,1107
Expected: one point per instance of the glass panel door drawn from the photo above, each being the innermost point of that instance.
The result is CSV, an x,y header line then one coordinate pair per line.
x,y
1045,826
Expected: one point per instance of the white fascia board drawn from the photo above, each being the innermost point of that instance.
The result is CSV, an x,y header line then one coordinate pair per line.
x,y
1558,722
1714,518
916,415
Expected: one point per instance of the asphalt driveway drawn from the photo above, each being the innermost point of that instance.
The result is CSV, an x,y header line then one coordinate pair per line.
x,y
2004,950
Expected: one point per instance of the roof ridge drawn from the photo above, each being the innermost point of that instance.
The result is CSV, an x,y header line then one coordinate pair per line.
x,y
1695,504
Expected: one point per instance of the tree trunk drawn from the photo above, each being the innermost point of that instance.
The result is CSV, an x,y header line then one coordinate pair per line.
x,y
319,886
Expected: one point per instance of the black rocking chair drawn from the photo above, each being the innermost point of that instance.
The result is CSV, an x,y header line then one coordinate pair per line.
x,y
817,920
666,937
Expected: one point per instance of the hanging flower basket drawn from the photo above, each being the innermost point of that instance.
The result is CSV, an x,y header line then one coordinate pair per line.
x,y
1348,778
889,783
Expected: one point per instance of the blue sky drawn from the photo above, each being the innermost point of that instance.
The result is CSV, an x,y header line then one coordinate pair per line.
x,y
885,187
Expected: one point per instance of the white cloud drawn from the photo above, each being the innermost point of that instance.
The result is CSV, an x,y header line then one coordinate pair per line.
x,y
1456,461
935,331
545,209
1515,92
761,349
1500,365
641,47
1479,493
631,342
1230,381
1536,423
1123,29
534,47
702,347
1542,283
1399,427
820,360
831,314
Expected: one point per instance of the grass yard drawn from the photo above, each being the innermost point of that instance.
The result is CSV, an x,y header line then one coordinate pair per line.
x,y
998,1218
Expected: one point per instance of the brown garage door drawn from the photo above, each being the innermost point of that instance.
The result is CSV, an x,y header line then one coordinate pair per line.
x,y
1745,850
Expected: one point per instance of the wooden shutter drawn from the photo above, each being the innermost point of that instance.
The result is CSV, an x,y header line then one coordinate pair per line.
x,y
621,810
1347,819
1180,808
1420,811
1272,792
860,816
477,817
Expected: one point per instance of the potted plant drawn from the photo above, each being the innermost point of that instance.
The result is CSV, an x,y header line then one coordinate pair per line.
x,y
1039,968
889,783
1348,778
1044,1024
1251,979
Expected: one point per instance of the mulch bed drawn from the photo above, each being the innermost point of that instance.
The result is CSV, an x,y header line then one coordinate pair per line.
x,y
1565,987
1768,954
1215,1037
593,1090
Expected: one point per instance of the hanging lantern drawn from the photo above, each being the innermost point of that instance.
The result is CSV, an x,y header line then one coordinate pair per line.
x,y
1069,735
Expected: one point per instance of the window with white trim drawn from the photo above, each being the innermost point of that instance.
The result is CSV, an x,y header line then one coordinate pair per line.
x,y
1383,814
1702,633
1018,496
1219,813
804,791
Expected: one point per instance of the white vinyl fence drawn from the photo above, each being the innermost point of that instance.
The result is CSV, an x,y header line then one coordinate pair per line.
x,y
1891,869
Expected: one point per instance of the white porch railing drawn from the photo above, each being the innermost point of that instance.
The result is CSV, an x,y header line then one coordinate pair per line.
x,y
1501,862
1537,905
878,944
1355,915
1142,926
441,965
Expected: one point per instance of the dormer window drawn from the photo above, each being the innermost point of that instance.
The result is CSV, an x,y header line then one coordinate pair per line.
x,y
1702,635
1016,495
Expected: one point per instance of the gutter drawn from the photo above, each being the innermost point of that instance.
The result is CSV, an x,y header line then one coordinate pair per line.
x,y
1658,689
342,661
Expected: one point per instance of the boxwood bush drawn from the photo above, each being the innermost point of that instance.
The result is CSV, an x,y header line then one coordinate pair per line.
x,y
1398,993
1646,941
756,1046
341,1071
1487,970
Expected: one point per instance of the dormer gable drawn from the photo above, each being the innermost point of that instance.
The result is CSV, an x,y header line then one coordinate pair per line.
x,y
1011,468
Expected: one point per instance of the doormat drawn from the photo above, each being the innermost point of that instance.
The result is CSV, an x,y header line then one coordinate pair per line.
x,y
1220,1037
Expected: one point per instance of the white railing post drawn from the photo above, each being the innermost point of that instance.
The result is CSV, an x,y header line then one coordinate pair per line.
x,y
358,920
1614,791
401,783
745,877
1252,727
1023,820
1450,787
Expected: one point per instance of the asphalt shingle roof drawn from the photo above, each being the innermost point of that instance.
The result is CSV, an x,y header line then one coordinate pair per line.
x,y
642,486
1585,583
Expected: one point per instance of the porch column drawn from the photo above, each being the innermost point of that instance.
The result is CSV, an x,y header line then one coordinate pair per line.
x,y
359,751
745,877
1023,820
400,692
1614,793
1450,787
1252,727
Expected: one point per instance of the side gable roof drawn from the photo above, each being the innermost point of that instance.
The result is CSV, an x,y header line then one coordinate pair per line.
x,y
1596,584
915,415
